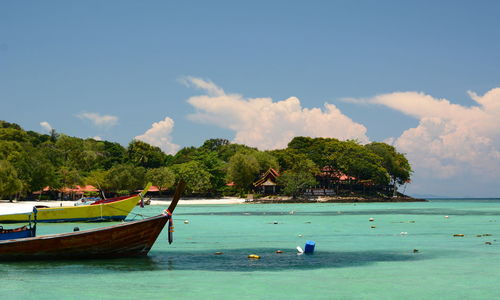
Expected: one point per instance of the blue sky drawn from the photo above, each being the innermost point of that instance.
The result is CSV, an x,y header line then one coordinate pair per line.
x,y
111,69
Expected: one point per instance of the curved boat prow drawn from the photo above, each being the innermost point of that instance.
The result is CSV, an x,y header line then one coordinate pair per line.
x,y
178,192
146,189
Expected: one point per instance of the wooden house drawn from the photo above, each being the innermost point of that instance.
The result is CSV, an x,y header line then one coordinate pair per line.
x,y
267,182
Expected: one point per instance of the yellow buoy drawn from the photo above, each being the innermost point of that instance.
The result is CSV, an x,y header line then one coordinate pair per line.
x,y
459,235
254,256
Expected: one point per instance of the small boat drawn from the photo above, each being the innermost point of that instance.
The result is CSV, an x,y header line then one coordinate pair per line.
x,y
112,209
129,239
19,232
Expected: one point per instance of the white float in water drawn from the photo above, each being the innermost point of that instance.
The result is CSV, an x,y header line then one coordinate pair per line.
x,y
299,250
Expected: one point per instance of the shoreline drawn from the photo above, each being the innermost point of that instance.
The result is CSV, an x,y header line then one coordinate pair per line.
x,y
154,202
232,200
333,199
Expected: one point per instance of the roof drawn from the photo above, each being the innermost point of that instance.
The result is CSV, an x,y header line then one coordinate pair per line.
x,y
152,188
80,189
76,189
328,171
268,178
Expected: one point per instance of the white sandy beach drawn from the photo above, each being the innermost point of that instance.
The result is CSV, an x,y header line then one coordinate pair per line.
x,y
162,202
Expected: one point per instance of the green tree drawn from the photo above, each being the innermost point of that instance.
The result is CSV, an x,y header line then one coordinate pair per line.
x,y
36,138
242,170
113,153
125,177
316,149
53,135
98,179
10,150
394,162
302,143
194,174
9,182
163,178
299,175
54,154
355,160
225,152
144,155
75,154
39,171
12,134
266,160
294,182
68,177
215,167
184,155
214,144
5,124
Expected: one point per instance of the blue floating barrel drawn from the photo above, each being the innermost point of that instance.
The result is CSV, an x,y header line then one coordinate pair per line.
x,y
309,248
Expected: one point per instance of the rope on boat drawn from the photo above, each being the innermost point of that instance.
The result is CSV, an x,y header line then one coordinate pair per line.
x,y
141,215
127,212
168,213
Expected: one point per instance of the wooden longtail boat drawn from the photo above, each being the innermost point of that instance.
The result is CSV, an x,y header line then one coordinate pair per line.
x,y
114,209
123,240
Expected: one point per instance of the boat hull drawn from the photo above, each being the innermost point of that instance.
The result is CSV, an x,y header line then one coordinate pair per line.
x,y
113,211
123,240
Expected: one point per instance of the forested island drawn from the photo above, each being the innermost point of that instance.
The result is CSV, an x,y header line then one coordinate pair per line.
x,y
309,167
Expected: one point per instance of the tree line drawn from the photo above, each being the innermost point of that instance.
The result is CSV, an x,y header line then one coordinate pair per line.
x,y
30,161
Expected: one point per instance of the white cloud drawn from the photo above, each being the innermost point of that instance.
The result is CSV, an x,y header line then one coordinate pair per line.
x,y
451,140
159,135
262,123
46,126
97,138
99,120
206,85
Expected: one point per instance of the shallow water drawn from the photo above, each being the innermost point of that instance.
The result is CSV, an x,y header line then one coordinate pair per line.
x,y
351,261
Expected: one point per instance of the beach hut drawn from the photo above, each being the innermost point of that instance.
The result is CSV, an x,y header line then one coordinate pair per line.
x,y
267,182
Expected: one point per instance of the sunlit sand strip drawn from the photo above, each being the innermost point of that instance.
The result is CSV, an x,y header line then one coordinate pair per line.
x,y
6,203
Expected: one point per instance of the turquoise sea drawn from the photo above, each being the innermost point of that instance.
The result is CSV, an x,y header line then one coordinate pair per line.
x,y
352,260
